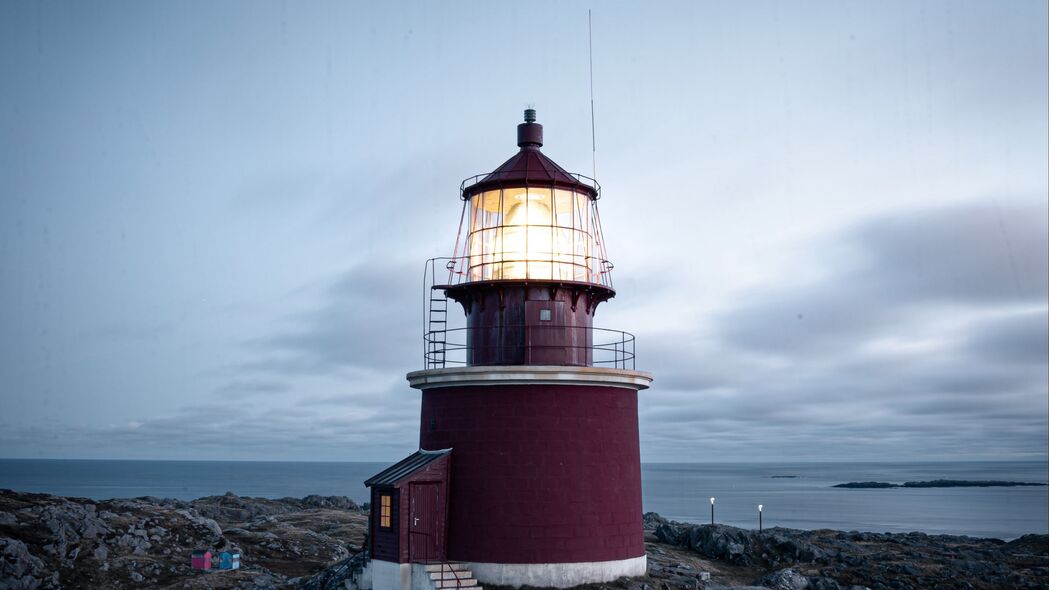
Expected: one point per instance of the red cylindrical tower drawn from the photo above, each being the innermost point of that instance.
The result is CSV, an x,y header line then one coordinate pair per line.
x,y
539,413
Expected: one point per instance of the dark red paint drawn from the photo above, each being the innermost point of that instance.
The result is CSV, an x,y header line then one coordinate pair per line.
x,y
505,326
542,473
425,514
530,167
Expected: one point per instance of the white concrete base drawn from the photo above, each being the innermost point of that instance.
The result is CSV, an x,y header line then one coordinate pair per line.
x,y
557,575
364,581
421,578
387,575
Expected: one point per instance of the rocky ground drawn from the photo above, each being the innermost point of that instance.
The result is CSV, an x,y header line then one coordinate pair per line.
x,y
833,560
51,542
55,542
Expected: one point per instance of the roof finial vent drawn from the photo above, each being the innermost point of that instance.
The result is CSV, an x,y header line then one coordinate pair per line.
x,y
529,133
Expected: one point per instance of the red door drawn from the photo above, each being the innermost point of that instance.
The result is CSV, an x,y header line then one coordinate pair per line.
x,y
423,531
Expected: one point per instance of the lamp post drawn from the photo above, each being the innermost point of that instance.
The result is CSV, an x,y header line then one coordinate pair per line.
x,y
712,510
760,507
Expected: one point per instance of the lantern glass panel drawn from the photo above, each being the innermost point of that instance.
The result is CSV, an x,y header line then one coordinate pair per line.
x,y
531,233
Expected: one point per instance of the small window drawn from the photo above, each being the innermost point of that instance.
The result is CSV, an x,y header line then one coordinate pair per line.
x,y
385,510
544,315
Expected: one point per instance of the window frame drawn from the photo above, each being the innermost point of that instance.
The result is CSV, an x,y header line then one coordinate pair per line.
x,y
385,510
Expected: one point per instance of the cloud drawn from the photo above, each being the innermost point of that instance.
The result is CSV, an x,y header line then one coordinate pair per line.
x,y
928,338
242,388
362,321
291,431
327,383
1018,339
904,266
981,253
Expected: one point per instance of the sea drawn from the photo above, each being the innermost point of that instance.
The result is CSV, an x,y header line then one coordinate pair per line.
x,y
794,495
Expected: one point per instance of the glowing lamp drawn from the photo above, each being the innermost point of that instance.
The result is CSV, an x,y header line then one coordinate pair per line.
x,y
531,220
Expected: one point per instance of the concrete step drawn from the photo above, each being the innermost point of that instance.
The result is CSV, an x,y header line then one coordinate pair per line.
x,y
461,582
448,575
437,567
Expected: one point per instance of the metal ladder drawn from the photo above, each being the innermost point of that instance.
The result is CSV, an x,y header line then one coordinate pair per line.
x,y
437,328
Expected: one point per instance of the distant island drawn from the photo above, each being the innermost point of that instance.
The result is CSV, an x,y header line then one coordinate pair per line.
x,y
784,476
936,483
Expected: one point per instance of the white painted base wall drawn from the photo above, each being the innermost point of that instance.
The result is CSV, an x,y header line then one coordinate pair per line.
x,y
364,581
557,575
387,575
421,578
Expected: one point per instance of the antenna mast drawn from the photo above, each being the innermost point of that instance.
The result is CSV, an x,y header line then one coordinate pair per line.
x,y
593,134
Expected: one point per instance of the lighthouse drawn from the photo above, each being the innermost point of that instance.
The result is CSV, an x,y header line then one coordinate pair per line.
x,y
528,469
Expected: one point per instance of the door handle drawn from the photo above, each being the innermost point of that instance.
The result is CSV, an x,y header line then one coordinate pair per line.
x,y
416,523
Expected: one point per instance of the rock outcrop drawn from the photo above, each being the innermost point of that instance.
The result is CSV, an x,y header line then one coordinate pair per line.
x,y
831,560
51,542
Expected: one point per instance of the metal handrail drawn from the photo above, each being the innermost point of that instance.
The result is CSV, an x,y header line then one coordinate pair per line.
x,y
616,350
455,574
477,178
441,562
459,268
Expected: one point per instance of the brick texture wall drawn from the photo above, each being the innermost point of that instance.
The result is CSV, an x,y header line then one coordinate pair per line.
x,y
539,473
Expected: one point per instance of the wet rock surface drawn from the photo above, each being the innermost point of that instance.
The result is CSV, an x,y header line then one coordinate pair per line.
x,y
49,542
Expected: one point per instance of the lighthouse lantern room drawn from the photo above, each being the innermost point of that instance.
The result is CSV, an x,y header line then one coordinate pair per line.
x,y
530,265
528,442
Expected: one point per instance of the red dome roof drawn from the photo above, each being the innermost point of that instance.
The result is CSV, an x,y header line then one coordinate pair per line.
x,y
530,167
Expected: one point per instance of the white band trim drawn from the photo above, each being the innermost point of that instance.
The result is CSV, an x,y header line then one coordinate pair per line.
x,y
529,375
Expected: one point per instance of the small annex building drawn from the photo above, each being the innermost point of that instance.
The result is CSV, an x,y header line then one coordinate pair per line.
x,y
409,515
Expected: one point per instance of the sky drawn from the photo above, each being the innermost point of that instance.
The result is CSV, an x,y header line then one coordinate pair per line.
x,y
828,219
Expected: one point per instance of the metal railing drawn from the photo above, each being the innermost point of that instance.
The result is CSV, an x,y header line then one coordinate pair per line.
x,y
433,560
446,568
482,268
536,344
540,343
495,176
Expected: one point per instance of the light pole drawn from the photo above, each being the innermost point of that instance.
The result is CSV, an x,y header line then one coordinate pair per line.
x,y
712,510
760,507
